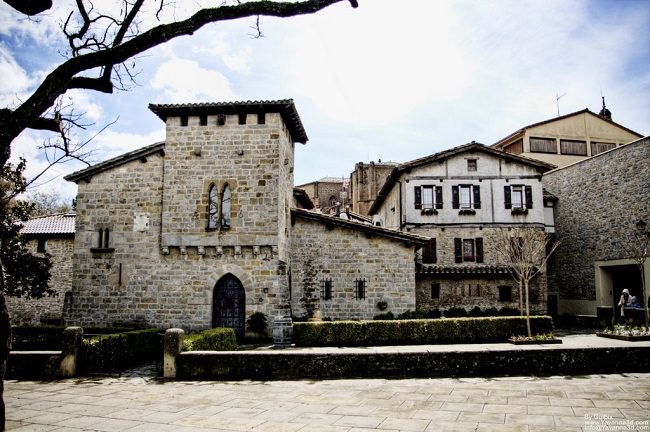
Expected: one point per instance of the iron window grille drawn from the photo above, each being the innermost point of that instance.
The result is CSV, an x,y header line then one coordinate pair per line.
x,y
326,289
360,289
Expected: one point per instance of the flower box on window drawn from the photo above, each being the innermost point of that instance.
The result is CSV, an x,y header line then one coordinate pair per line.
x,y
428,211
519,211
467,212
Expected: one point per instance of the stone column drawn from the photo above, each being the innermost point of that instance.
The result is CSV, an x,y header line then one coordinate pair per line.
x,y
173,347
72,337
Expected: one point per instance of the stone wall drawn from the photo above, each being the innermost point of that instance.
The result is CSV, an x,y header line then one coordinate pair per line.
x,y
471,284
599,201
343,256
162,262
46,310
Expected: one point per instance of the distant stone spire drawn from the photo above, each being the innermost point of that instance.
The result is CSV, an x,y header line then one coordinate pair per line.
x,y
605,113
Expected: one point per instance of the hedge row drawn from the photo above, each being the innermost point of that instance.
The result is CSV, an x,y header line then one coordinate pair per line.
x,y
215,339
117,351
49,338
414,332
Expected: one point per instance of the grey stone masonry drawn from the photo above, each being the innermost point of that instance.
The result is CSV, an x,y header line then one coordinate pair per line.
x,y
599,201
342,256
145,253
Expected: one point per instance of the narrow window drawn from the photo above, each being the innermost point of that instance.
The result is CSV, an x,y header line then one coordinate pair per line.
x,y
468,250
465,197
435,291
261,118
225,207
429,252
221,119
360,289
100,238
517,197
505,293
41,246
326,289
427,197
213,210
106,238
242,118
203,119
183,120
472,165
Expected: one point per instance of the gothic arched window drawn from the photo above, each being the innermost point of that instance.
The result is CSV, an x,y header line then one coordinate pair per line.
x,y
213,213
225,207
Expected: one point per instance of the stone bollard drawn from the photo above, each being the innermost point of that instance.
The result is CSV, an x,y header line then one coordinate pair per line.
x,y
72,337
173,347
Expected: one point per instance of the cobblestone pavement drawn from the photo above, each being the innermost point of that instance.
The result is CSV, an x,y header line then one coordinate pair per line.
x,y
580,403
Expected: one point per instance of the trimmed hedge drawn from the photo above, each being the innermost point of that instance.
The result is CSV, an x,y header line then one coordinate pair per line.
x,y
116,352
417,332
49,338
216,339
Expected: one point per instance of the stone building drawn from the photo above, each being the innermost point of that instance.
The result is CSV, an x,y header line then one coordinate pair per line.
x,y
328,192
460,199
54,235
600,202
350,270
365,182
198,231
569,138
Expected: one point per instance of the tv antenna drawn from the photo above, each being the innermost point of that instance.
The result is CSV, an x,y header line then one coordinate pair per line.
x,y
557,101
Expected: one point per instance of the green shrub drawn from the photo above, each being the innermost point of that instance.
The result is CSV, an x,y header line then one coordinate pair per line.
x,y
416,314
257,323
216,339
384,316
413,332
117,351
509,311
475,312
491,312
434,313
455,312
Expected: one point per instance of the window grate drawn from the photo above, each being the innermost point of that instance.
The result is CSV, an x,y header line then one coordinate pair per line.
x,y
326,289
360,289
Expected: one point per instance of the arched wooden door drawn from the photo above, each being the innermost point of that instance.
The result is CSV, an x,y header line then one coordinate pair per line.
x,y
229,305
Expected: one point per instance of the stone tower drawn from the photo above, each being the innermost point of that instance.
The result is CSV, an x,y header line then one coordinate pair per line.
x,y
198,239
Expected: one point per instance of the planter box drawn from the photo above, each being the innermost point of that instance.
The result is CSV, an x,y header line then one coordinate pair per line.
x,y
535,342
625,338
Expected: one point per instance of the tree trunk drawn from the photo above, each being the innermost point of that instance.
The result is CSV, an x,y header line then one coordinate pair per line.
x,y
521,301
527,309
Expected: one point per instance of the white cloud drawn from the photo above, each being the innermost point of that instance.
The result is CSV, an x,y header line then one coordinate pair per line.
x,y
15,80
184,81
217,45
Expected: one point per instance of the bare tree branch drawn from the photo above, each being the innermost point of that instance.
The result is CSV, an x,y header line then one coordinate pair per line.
x,y
95,53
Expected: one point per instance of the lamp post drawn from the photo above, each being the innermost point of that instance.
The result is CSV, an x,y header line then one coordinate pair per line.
x,y
644,243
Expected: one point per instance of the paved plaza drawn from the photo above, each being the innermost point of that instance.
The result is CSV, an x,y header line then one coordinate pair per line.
x,y
143,403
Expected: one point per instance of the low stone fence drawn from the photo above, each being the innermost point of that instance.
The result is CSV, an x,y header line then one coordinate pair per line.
x,y
287,364
47,364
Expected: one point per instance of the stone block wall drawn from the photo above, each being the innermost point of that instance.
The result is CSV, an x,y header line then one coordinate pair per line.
x,y
33,312
599,201
343,256
470,283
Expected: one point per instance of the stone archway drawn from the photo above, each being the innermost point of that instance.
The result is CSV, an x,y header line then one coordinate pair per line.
x,y
229,304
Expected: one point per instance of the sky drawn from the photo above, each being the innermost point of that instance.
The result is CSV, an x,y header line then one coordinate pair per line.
x,y
390,80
